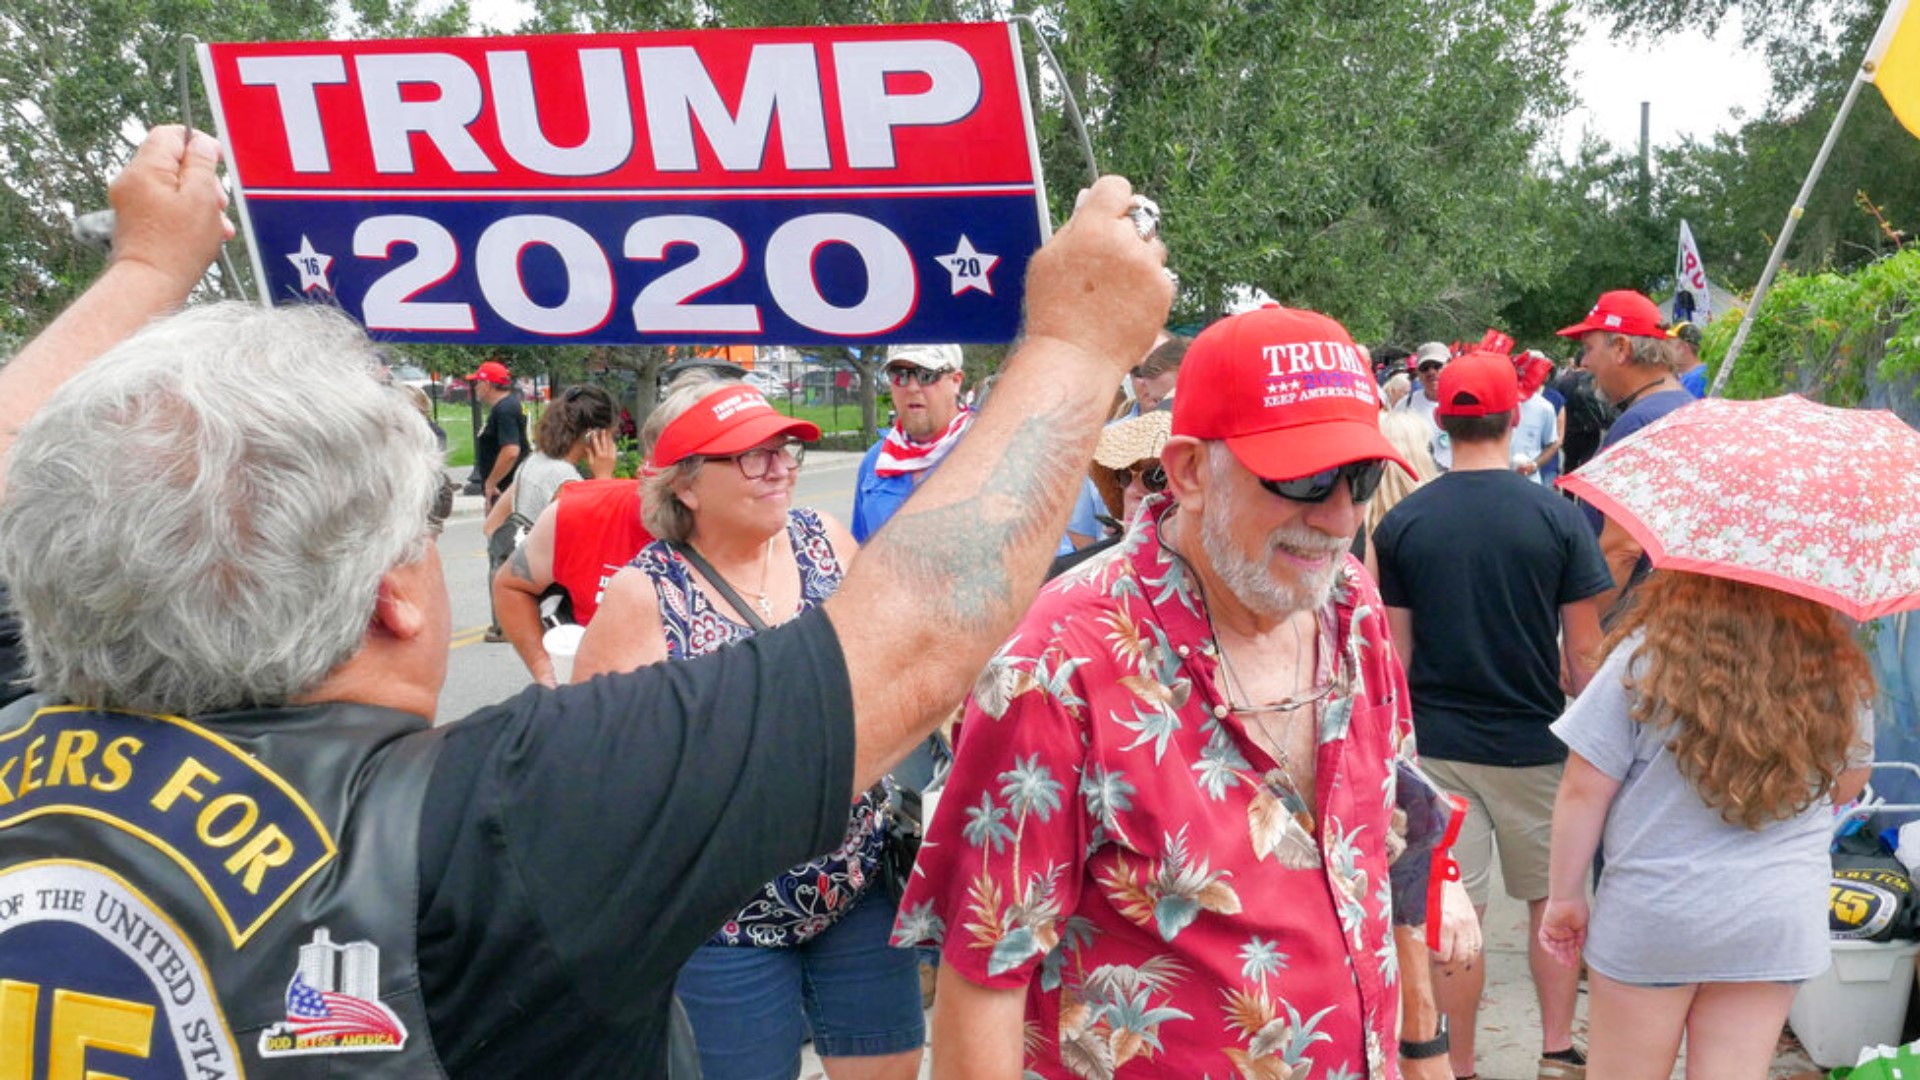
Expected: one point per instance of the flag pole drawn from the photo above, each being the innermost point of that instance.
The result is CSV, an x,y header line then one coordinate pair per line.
x,y
1888,23
1786,236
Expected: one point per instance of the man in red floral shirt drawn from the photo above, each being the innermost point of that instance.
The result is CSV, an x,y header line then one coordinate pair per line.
x,y
1166,842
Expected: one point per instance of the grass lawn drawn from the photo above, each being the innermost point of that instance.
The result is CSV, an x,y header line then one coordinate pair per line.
x,y
846,419
457,422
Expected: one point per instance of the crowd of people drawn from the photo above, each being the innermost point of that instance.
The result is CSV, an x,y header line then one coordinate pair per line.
x,y
1318,629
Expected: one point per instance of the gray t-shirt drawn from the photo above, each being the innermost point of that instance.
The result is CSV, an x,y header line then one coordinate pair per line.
x,y
538,479
1686,897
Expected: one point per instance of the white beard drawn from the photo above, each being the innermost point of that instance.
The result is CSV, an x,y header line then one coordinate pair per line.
x,y
1250,576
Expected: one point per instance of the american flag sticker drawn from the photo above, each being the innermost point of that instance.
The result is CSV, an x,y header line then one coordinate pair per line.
x,y
333,1004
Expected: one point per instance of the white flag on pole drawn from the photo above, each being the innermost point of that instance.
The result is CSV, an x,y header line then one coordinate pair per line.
x,y
1692,299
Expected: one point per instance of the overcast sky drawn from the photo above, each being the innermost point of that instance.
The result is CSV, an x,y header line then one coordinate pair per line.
x,y
1696,84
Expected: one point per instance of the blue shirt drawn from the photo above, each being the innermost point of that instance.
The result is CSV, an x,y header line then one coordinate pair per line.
x,y
877,498
1086,517
1551,469
1643,412
1696,381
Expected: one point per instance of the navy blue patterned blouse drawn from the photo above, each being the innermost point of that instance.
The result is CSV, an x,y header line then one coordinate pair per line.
x,y
808,898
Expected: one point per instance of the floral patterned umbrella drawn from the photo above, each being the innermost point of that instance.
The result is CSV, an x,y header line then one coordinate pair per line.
x,y
1784,492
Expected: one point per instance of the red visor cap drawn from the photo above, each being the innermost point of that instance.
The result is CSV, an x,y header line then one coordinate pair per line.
x,y
725,422
1286,390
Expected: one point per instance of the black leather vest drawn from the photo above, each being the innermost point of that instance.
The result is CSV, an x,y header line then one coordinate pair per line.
x,y
231,896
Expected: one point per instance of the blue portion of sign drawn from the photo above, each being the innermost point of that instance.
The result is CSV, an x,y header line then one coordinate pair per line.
x,y
575,271
57,956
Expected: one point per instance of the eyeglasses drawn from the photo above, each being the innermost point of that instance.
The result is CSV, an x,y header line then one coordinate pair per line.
x,y
1152,477
1363,479
442,508
755,464
901,376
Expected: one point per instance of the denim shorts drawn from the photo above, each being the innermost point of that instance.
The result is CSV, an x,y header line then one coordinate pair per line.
x,y
752,1007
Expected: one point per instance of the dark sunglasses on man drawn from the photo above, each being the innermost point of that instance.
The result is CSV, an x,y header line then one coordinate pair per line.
x,y
901,376
1363,479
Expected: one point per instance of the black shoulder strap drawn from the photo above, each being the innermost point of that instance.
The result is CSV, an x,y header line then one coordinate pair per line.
x,y
719,583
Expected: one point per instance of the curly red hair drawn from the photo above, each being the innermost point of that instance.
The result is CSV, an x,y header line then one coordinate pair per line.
x,y
1762,689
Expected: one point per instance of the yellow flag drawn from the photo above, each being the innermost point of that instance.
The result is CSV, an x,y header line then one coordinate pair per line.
x,y
1894,63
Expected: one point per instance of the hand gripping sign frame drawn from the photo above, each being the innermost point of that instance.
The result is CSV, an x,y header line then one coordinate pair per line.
x,y
792,186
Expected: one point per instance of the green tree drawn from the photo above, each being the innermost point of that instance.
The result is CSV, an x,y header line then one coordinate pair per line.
x,y
1595,239
1847,339
1737,186
1361,159
80,80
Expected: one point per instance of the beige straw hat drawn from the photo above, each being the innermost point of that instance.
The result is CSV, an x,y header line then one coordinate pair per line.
x,y
1136,439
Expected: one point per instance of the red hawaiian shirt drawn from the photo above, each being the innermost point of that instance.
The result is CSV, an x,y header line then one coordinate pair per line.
x,y
1111,840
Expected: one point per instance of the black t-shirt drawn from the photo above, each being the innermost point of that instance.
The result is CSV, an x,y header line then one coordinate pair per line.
x,y
1484,560
579,844
506,426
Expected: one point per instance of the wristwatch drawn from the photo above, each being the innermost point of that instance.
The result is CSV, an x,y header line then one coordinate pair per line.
x,y
1432,1048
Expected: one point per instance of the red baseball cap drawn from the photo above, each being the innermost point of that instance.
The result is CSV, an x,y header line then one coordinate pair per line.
x,y
1478,384
1286,390
495,372
1621,311
1534,369
733,418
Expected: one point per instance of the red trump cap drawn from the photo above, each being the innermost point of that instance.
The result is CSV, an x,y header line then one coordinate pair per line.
x,y
1621,311
1285,390
1478,384
493,371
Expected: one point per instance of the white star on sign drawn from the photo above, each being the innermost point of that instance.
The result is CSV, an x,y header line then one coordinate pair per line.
x,y
969,267
312,266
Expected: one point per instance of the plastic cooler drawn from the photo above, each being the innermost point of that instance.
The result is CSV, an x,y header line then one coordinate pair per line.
x,y
1860,1001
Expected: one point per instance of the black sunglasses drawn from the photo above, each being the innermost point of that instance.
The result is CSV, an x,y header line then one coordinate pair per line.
x,y
1152,477
901,376
1363,479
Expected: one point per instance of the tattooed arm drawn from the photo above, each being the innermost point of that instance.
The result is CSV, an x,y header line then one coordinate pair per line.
x,y
938,588
517,589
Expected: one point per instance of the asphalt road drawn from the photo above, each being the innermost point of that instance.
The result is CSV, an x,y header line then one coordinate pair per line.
x,y
480,674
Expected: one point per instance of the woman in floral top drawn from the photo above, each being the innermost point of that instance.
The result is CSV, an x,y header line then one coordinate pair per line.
x,y
810,951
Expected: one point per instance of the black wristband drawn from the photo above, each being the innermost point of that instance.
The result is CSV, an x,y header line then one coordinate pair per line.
x,y
1432,1048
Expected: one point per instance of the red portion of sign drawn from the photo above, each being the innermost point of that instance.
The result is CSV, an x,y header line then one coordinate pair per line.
x,y
1692,273
815,108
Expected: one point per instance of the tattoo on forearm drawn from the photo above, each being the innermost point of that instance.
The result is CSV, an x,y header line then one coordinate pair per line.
x,y
963,546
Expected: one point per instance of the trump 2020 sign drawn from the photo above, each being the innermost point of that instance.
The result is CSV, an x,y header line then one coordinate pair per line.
x,y
800,186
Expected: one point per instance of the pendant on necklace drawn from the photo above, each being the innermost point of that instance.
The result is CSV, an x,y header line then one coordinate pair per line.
x,y
766,609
